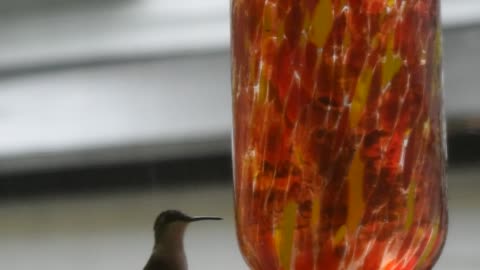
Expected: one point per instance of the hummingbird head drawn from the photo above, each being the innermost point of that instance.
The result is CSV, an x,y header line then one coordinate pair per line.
x,y
169,217
170,225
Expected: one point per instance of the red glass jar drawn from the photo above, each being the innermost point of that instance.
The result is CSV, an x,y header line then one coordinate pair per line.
x,y
339,138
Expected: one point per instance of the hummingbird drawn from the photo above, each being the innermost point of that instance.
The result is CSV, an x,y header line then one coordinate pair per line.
x,y
168,252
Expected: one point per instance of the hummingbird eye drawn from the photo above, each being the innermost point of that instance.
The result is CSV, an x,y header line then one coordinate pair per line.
x,y
161,220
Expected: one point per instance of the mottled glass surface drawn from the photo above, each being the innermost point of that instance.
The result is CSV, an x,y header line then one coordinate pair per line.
x,y
339,149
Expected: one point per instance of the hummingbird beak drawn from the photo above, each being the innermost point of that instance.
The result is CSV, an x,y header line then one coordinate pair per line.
x,y
193,219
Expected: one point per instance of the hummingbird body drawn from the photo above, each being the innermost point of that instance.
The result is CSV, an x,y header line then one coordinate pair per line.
x,y
168,252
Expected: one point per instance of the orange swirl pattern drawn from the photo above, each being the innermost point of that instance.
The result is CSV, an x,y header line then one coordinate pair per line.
x,y
339,143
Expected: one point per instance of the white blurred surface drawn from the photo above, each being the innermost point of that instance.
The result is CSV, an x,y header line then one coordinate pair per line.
x,y
146,110
457,13
100,30
114,230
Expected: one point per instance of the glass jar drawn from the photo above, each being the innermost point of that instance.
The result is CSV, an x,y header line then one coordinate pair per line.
x,y
339,138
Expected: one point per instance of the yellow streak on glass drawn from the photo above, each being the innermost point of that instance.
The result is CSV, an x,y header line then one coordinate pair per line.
x,y
254,69
340,235
268,17
356,203
298,157
411,204
347,39
263,89
438,47
272,24
437,63
431,244
322,23
284,235
426,130
391,64
375,42
307,22
361,94
390,3
316,208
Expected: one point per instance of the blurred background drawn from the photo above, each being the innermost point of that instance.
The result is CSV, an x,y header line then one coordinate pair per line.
x,y
113,110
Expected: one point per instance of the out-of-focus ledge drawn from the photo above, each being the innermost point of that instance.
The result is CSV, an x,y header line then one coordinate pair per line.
x,y
460,13
106,155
